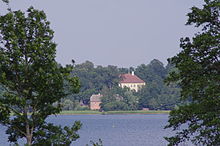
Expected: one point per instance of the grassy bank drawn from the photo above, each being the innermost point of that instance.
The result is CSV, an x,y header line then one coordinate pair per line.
x,y
90,112
87,112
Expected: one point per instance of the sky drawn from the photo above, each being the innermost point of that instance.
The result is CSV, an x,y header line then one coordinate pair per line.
x,y
123,33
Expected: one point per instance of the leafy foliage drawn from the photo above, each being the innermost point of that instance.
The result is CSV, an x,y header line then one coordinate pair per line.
x,y
104,80
49,134
99,143
31,77
199,77
114,99
94,79
156,95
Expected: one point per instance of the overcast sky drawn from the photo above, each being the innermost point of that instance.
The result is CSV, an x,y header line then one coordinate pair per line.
x,y
115,32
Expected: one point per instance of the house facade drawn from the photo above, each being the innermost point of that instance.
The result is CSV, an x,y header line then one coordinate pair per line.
x,y
131,81
95,101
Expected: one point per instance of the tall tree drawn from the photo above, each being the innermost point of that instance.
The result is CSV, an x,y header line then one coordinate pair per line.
x,y
153,72
94,79
156,95
32,79
199,76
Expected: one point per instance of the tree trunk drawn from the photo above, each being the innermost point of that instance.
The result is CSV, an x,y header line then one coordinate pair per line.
x,y
28,129
29,140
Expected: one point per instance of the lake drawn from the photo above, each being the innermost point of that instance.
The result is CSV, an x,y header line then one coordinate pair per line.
x,y
114,130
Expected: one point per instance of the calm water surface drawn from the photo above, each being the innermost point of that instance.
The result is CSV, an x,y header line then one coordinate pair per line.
x,y
114,130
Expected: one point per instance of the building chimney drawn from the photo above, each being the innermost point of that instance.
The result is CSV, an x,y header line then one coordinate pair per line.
x,y
132,73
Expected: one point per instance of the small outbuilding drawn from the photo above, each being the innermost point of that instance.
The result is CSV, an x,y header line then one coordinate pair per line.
x,y
95,101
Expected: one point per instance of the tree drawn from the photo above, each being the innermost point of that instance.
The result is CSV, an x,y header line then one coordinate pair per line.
x,y
94,79
153,72
131,100
32,80
156,95
198,75
114,99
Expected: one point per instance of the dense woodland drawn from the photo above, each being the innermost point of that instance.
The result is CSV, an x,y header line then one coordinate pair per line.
x,y
98,79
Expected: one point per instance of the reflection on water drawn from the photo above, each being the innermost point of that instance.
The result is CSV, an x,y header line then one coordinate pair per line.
x,y
115,130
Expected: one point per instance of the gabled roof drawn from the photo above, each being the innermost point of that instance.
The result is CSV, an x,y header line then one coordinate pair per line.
x,y
129,78
95,98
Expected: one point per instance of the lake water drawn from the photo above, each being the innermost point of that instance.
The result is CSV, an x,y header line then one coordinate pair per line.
x,y
114,130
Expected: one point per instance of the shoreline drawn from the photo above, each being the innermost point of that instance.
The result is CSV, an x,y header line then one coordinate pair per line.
x,y
137,112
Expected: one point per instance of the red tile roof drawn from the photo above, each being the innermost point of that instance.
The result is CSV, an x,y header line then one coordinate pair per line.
x,y
129,78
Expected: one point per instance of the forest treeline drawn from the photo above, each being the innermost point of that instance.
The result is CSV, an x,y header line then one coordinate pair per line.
x,y
104,80
156,95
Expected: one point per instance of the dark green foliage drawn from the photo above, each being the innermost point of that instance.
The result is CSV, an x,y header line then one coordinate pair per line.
x,y
118,99
31,77
111,99
68,104
130,99
99,143
94,79
115,106
199,76
49,134
156,95
153,72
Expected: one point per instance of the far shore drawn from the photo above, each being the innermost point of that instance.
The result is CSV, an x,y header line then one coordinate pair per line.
x,y
93,112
